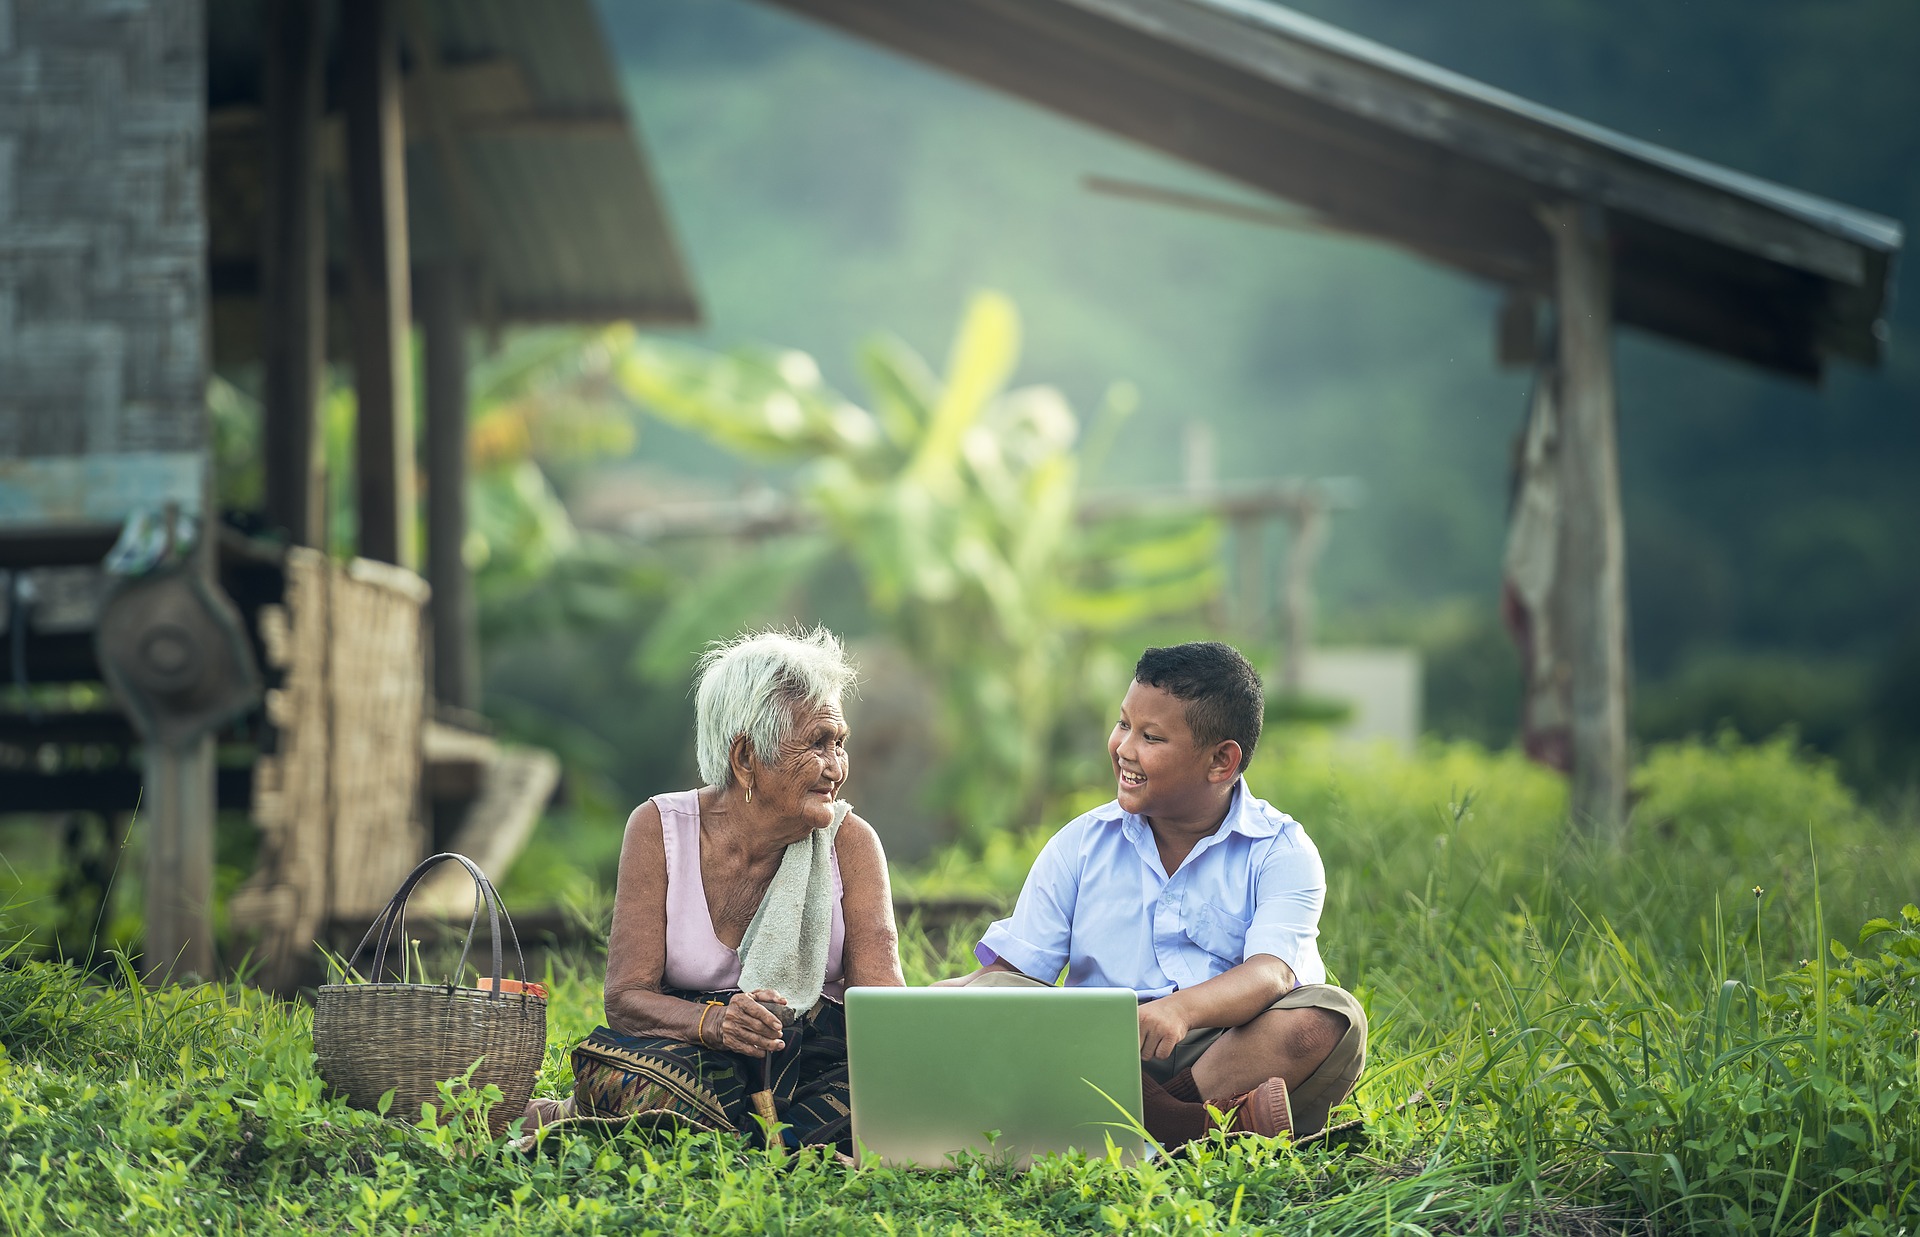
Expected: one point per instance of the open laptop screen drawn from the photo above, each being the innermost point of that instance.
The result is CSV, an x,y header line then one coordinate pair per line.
x,y
1015,1072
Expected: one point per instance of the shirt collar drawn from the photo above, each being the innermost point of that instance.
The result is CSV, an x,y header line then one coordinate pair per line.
x,y
1250,816
1246,815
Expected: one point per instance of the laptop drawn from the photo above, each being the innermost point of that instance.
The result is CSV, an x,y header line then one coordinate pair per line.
x,y
1010,1073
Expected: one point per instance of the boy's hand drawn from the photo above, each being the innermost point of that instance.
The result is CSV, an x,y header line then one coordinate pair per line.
x,y
1162,1027
961,981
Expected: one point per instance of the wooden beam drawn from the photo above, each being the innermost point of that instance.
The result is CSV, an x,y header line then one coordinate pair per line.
x,y
378,278
443,328
66,728
672,311
294,293
546,124
108,790
56,545
177,806
1592,566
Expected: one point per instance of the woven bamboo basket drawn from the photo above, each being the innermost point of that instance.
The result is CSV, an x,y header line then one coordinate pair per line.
x,y
371,1038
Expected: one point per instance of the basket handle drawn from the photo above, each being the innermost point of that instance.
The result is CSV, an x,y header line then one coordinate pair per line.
x,y
395,915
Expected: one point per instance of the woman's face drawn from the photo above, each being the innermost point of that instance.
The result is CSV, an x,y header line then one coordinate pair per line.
x,y
807,773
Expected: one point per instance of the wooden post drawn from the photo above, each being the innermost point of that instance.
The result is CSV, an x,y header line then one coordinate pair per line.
x,y
1309,536
443,329
1250,589
382,312
293,272
178,797
1592,544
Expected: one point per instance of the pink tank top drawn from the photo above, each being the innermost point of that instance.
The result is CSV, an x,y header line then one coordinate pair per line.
x,y
697,961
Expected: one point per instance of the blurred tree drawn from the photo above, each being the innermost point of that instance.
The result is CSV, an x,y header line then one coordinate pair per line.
x,y
957,500
557,602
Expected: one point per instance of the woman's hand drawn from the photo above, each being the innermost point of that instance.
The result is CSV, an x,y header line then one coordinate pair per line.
x,y
747,1025
1162,1027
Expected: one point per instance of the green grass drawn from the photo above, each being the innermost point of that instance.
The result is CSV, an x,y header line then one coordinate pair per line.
x,y
1621,1040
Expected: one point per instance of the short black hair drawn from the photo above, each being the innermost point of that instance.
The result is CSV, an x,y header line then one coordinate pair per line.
x,y
1220,687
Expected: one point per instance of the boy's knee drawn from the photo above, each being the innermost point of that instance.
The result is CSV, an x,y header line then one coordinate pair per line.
x,y
1302,1038
1314,1035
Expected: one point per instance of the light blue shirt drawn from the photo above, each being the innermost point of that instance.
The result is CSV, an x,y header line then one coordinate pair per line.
x,y
1100,903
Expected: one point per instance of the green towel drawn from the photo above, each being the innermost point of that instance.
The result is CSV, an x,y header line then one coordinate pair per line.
x,y
785,947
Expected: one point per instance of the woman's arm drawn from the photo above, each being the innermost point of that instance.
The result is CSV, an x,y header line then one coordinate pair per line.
x,y
637,946
871,957
637,959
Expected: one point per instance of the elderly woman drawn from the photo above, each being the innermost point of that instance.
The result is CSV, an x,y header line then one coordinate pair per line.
x,y
744,911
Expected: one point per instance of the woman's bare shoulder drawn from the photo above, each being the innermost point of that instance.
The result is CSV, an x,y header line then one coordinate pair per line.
x,y
858,839
645,833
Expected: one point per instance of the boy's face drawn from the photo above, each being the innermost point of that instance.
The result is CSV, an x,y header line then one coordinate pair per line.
x,y
1159,769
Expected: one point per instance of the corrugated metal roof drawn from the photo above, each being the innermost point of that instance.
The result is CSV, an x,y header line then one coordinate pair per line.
x,y
1859,226
523,164
569,224
1388,147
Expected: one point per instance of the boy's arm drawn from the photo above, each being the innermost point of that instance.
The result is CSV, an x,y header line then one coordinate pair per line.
x,y
1034,939
961,981
1232,998
1290,889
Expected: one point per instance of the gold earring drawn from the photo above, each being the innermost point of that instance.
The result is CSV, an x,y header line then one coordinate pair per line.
x,y
749,794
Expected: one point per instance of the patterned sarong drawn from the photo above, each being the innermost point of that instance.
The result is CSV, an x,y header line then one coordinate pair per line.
x,y
670,1081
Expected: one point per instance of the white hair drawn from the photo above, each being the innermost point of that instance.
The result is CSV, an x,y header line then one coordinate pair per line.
x,y
753,684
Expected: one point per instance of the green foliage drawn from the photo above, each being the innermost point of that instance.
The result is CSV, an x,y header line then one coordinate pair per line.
x,y
1608,1038
1725,792
1619,1042
956,498
1859,712
239,470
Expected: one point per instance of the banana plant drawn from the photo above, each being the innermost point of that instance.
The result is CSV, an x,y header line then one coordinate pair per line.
x,y
957,498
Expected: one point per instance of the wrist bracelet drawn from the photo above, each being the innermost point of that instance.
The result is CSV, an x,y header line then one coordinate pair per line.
x,y
700,1031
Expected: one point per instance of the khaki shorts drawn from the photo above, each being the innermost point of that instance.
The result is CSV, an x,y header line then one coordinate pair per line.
x,y
1312,1099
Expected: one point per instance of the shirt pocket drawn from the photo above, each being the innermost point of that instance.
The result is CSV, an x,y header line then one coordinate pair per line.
x,y
1219,932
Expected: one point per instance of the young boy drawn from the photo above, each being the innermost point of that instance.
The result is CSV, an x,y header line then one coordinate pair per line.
x,y
1203,900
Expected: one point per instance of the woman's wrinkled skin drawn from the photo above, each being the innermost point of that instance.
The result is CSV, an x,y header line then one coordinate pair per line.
x,y
742,841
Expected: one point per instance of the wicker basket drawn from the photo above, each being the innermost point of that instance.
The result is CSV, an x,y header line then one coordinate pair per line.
x,y
371,1038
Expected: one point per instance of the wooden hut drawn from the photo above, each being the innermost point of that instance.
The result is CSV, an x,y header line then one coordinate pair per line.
x,y
287,182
